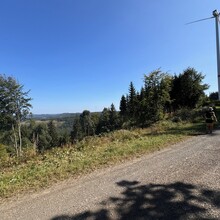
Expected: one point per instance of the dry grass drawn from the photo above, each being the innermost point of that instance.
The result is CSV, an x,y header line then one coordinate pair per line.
x,y
35,172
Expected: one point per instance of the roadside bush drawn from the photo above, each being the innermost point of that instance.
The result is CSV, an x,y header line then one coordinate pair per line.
x,y
176,119
3,154
217,103
29,152
123,135
190,115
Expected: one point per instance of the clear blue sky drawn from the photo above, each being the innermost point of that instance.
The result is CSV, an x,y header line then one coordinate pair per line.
x,y
82,54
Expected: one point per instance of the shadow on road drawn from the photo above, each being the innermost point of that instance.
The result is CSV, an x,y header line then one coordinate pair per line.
x,y
156,201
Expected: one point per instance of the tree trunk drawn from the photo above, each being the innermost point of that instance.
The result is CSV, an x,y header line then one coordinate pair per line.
x,y
15,140
20,138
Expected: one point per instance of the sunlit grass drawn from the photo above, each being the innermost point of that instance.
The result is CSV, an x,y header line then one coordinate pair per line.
x,y
36,172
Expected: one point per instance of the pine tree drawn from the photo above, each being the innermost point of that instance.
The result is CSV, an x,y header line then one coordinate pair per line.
x,y
141,109
213,96
52,130
132,101
113,118
42,137
123,107
104,121
77,131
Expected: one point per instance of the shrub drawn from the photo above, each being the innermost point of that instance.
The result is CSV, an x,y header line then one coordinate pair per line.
x,y
186,115
3,154
176,119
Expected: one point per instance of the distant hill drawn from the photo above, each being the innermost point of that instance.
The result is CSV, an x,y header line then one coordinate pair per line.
x,y
63,121
54,116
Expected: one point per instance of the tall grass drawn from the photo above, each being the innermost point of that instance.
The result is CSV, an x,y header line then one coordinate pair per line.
x,y
36,171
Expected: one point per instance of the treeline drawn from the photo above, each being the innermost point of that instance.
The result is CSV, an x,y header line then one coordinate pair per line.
x,y
160,94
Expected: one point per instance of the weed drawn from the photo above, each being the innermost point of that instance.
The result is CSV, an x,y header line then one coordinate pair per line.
x,y
39,171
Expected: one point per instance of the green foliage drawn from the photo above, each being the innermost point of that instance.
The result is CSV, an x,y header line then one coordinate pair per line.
x,y
108,120
83,126
157,88
14,102
37,171
187,89
64,139
41,137
14,108
213,96
104,121
159,95
87,123
217,103
3,154
131,101
52,130
77,132
113,118
123,107
186,114
149,105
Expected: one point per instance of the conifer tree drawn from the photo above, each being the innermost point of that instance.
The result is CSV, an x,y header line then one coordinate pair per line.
x,y
104,121
113,118
132,101
213,96
123,107
141,109
52,130
42,137
77,131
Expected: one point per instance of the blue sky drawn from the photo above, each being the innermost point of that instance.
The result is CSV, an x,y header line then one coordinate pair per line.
x,y
82,54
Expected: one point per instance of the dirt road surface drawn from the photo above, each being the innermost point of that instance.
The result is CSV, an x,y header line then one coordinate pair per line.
x,y
180,182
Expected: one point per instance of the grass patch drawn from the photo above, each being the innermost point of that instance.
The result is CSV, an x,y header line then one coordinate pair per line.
x,y
92,153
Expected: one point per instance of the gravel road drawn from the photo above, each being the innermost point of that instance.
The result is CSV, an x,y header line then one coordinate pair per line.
x,y
180,182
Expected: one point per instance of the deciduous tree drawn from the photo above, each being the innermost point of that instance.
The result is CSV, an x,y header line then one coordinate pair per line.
x,y
157,88
188,89
14,108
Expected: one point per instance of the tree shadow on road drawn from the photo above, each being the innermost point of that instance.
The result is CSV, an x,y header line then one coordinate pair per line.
x,y
175,201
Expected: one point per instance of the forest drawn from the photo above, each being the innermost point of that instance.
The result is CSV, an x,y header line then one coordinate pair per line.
x,y
162,96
